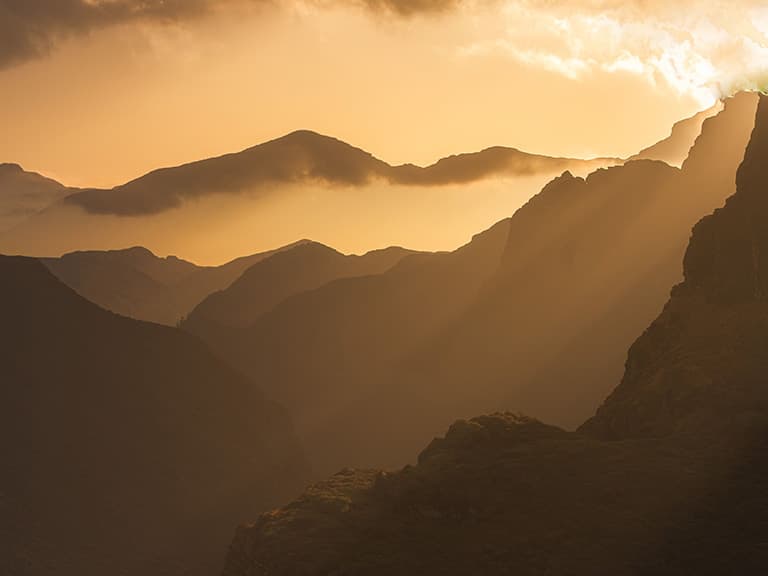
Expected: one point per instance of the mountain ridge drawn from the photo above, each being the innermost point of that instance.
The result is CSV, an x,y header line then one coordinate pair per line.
x,y
304,155
136,283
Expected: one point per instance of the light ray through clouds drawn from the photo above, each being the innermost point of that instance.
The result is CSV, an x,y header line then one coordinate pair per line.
x,y
707,50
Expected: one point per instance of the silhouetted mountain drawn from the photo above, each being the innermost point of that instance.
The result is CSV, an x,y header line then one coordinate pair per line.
x,y
674,149
537,314
684,490
126,447
304,156
701,366
321,349
273,280
136,283
25,193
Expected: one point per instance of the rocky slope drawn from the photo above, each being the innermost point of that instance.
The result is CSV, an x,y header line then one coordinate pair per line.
x,y
126,447
669,477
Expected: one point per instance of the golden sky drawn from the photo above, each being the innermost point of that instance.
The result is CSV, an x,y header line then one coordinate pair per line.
x,y
96,92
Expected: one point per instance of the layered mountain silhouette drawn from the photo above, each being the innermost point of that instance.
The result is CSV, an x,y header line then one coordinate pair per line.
x,y
23,194
136,283
321,349
669,477
306,156
126,447
303,185
536,314
273,280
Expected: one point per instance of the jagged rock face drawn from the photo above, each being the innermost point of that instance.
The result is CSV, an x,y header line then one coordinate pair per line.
x,y
702,364
728,255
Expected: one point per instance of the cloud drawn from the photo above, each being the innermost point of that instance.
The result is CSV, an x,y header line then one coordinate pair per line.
x,y
32,28
410,7
701,49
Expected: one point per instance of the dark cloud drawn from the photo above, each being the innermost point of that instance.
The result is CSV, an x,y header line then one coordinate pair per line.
x,y
410,7
31,28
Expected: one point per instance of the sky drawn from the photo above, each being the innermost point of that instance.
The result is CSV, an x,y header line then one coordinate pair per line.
x,y
97,92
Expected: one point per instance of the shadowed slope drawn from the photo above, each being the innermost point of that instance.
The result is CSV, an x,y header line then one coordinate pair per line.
x,y
682,492
127,448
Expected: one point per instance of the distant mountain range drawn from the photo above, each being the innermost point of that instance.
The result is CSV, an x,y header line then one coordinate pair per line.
x,y
126,447
265,285
136,283
669,477
306,156
301,185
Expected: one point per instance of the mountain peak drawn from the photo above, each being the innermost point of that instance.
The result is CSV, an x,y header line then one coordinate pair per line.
x,y
10,167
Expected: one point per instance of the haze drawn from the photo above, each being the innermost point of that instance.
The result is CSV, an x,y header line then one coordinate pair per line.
x,y
98,98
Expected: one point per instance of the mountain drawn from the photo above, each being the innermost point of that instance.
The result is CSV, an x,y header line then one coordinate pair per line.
x,y
303,185
127,448
23,194
674,149
273,280
320,349
536,314
136,283
306,156
669,477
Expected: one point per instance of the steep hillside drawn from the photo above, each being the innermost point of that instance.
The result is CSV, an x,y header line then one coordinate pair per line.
x,y
127,448
683,490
